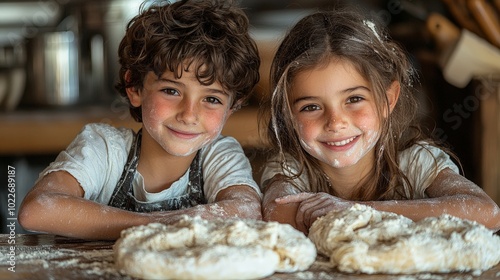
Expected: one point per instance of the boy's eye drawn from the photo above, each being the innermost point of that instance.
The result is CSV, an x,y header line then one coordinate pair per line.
x,y
170,91
213,100
312,107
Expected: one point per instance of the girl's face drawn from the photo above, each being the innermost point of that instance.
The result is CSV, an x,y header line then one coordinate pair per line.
x,y
335,113
181,115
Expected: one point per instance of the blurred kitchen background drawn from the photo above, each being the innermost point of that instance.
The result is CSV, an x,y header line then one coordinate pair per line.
x,y
58,66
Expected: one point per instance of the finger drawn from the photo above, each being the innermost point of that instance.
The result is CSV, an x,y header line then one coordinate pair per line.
x,y
293,198
314,210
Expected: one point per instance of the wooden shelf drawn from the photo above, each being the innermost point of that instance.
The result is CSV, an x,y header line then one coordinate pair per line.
x,y
49,132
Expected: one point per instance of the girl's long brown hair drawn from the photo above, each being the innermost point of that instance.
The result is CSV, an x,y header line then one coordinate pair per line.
x,y
346,34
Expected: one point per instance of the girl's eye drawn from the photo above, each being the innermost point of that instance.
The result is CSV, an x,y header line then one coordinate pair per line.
x,y
354,99
213,100
170,91
309,108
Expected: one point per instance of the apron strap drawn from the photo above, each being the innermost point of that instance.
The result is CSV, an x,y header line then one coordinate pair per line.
x,y
124,198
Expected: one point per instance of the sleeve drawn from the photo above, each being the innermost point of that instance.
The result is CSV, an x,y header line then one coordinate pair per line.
x,y
224,165
95,158
422,163
273,167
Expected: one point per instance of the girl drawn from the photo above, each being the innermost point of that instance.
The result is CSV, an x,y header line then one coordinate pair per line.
x,y
343,128
185,68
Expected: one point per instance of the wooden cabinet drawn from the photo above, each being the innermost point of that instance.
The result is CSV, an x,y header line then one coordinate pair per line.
x,y
489,94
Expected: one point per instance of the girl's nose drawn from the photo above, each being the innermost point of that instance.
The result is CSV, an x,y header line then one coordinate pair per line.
x,y
335,121
188,112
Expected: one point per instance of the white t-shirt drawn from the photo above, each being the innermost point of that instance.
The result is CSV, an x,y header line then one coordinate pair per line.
x,y
97,156
421,166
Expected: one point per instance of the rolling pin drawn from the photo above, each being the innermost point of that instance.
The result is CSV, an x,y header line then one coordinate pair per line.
x,y
487,18
460,12
443,31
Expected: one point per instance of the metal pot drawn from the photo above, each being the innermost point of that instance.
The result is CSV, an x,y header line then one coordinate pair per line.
x,y
53,69
65,66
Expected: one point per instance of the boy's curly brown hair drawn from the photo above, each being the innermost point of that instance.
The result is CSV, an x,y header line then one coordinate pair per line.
x,y
209,36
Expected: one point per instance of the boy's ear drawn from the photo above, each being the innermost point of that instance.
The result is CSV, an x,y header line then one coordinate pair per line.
x,y
236,106
393,95
132,92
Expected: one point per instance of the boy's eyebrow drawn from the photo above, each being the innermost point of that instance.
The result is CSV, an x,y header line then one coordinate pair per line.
x,y
214,90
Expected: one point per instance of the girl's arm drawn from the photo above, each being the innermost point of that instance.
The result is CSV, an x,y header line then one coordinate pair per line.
x,y
450,193
283,213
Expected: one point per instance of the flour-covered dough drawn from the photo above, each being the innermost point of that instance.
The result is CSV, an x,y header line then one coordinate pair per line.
x,y
361,239
195,248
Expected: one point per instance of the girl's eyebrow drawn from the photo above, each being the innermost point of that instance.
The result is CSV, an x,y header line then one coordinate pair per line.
x,y
345,91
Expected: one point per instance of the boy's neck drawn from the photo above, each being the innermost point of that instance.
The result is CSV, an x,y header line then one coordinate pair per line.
x,y
159,168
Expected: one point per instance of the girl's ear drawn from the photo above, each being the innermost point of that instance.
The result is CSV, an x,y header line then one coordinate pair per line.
x,y
132,92
393,95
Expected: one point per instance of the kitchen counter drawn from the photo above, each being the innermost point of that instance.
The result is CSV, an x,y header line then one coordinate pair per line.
x,y
49,132
42,256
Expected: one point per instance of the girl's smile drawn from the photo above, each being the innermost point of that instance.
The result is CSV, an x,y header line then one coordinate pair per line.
x,y
342,145
335,114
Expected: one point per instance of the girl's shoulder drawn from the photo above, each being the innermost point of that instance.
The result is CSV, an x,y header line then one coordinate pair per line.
x,y
422,148
426,154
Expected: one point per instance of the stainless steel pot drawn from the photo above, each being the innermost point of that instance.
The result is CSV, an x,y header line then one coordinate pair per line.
x,y
53,69
65,66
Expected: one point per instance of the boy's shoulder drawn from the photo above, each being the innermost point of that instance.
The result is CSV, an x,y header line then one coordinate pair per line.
x,y
223,142
106,133
106,130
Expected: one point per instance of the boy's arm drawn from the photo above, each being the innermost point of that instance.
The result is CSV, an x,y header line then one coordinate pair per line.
x,y
56,205
241,201
283,213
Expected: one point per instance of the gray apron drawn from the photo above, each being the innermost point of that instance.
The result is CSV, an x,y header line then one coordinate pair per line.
x,y
123,196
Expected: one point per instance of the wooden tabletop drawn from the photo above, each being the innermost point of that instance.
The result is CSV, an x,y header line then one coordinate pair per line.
x,y
41,256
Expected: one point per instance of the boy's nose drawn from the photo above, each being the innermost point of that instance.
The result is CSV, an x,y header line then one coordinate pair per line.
x,y
187,113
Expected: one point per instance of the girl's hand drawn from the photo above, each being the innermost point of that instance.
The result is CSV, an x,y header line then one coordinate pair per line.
x,y
313,206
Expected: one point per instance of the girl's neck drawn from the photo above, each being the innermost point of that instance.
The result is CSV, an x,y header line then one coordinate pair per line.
x,y
346,181
159,168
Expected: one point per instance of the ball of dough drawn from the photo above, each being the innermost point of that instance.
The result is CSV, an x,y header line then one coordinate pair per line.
x,y
194,248
362,239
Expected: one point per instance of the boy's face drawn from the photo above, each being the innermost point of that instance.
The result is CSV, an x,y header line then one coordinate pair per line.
x,y
181,115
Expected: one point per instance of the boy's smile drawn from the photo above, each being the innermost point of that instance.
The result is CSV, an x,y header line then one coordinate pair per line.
x,y
181,115
335,114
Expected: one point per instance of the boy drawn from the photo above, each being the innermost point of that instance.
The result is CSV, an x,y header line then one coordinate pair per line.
x,y
185,68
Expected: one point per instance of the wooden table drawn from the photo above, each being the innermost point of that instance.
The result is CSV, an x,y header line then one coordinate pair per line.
x,y
41,256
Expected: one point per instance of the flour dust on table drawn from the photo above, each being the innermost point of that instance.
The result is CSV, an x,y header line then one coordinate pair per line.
x,y
195,248
361,239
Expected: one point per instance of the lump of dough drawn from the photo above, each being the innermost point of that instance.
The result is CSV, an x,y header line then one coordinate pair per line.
x,y
194,248
364,240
